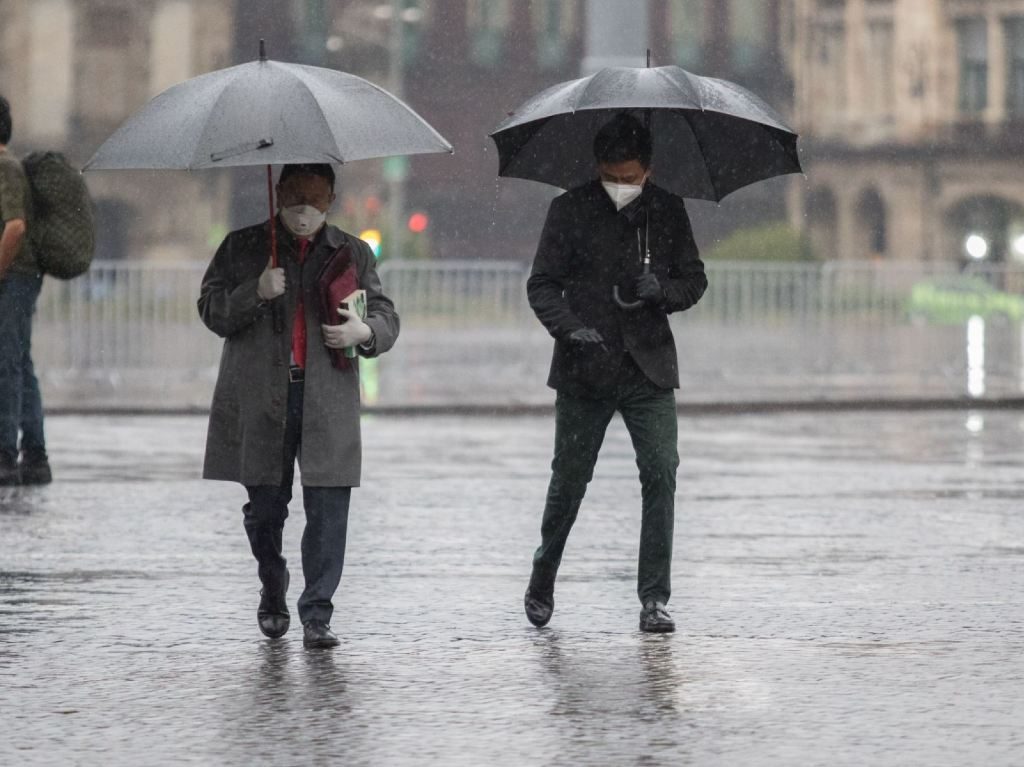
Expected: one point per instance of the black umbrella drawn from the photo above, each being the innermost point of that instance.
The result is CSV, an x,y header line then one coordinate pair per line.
x,y
711,137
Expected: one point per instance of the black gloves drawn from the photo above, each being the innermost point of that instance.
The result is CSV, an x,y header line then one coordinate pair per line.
x,y
649,289
586,336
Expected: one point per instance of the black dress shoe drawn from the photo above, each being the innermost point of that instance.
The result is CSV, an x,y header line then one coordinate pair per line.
x,y
539,606
655,619
35,468
272,615
10,474
318,634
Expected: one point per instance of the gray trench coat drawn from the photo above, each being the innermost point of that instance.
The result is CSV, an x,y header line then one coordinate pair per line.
x,y
247,418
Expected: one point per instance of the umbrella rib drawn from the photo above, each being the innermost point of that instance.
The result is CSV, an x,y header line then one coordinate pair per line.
x,y
193,165
700,146
414,113
300,76
576,105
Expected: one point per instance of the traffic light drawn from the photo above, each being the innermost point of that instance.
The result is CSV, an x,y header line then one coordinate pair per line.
x,y
418,222
372,238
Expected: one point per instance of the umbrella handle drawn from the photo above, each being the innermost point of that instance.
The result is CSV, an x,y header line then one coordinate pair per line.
x,y
633,306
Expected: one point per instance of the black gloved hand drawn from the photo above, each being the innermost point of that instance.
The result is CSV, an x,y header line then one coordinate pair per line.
x,y
649,289
586,336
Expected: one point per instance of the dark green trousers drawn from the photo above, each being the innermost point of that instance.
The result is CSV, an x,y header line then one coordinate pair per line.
x,y
649,413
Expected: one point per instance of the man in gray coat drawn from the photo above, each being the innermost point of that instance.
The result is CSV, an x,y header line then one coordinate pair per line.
x,y
279,397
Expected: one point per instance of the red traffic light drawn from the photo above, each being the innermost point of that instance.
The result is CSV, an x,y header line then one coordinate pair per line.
x,y
418,222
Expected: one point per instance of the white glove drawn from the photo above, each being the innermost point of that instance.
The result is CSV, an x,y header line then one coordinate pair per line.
x,y
271,284
349,333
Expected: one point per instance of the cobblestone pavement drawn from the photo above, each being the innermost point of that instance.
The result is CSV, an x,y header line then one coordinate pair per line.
x,y
849,590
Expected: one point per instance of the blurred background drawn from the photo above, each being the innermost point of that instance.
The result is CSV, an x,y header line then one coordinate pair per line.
x,y
892,268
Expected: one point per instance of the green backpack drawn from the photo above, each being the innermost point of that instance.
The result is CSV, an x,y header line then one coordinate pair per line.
x,y
62,231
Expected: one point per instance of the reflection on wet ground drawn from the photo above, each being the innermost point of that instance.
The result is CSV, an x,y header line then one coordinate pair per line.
x,y
849,590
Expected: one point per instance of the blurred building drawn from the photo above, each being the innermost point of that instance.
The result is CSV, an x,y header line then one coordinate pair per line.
x,y
74,69
463,64
911,114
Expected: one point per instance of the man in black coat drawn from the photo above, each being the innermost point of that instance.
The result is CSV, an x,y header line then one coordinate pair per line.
x,y
616,257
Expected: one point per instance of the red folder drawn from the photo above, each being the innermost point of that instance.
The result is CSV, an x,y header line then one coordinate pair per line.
x,y
336,280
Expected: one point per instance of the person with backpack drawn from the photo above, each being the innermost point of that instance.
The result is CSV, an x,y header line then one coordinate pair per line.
x,y
21,407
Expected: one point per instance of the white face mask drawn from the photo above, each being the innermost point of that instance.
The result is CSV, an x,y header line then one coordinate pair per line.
x,y
303,220
622,194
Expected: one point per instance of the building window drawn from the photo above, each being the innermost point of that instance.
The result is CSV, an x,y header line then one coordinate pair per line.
x,y
830,45
108,27
820,210
170,48
880,82
488,23
413,17
972,52
51,70
1013,29
687,23
749,30
871,213
554,22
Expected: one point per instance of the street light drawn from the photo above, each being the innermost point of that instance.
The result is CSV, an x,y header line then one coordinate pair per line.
x,y
976,247
397,170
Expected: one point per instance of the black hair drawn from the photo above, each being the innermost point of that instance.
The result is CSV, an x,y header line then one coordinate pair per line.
x,y
5,121
321,169
622,139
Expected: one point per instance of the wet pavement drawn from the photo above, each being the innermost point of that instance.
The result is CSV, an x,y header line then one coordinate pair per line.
x,y
849,590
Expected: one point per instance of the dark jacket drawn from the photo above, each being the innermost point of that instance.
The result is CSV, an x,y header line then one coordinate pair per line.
x,y
586,248
247,417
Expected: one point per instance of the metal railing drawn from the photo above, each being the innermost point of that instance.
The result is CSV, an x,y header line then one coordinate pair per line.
x,y
128,334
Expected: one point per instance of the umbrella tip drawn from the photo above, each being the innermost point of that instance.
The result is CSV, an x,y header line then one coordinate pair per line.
x,y
263,49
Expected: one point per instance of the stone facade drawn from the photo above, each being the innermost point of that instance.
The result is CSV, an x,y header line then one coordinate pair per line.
x,y
910,114
73,70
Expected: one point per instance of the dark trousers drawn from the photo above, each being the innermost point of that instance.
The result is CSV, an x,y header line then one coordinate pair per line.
x,y
21,407
649,413
323,540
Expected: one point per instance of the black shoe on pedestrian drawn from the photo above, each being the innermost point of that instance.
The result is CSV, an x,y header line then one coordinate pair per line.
x,y
539,606
318,634
655,619
35,468
10,474
272,615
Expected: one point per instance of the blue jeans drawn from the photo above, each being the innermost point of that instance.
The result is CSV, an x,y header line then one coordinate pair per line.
x,y
323,539
21,407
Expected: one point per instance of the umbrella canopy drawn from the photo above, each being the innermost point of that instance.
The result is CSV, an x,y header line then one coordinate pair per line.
x,y
711,137
267,113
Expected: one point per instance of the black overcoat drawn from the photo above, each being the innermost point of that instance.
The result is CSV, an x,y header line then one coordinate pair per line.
x,y
585,250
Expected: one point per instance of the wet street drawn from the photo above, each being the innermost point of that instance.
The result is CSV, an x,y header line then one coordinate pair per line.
x,y
849,590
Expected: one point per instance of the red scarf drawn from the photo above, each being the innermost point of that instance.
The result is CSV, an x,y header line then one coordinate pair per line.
x,y
299,326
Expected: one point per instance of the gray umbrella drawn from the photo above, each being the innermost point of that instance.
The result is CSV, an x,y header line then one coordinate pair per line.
x,y
267,113
263,113
711,136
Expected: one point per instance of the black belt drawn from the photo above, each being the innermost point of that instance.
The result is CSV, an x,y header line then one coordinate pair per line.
x,y
296,374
